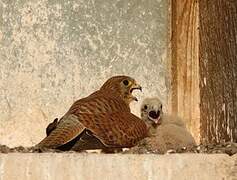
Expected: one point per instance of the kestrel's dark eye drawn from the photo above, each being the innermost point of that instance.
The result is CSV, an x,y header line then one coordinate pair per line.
x,y
161,106
145,107
125,82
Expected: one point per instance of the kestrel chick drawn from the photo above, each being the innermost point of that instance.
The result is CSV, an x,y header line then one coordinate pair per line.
x,y
102,118
152,113
166,131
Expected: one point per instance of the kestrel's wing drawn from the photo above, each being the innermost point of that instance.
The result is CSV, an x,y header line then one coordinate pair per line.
x,y
120,129
70,125
109,120
67,129
87,141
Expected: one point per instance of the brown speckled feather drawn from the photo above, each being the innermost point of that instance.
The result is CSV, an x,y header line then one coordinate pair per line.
x,y
105,114
86,141
67,129
120,129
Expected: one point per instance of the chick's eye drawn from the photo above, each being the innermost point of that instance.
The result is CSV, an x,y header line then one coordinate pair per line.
x,y
145,107
125,82
161,106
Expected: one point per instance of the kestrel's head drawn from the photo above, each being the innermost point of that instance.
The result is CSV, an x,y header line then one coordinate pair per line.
x,y
151,111
122,86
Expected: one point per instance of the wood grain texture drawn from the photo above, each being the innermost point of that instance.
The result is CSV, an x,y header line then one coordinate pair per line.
x,y
185,63
218,70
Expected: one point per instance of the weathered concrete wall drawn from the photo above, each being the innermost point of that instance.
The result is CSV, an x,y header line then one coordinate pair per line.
x,y
54,52
117,167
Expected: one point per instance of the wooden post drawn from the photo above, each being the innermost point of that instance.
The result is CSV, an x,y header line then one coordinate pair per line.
x,y
218,70
204,67
184,64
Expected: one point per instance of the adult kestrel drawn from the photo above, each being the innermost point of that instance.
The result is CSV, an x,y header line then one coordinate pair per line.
x,y
101,120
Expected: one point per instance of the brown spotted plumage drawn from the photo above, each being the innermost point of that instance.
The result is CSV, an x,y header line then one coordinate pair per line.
x,y
103,119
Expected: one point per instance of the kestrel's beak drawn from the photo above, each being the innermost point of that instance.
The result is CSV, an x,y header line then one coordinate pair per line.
x,y
134,87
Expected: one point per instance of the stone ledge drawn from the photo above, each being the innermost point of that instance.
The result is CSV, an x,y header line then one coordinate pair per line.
x,y
72,166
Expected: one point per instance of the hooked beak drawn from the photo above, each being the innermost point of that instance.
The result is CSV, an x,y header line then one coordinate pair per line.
x,y
134,87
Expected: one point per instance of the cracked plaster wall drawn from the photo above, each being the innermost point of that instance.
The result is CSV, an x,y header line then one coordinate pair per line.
x,y
54,52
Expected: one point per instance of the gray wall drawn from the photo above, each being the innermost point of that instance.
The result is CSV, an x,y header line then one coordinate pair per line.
x,y
54,52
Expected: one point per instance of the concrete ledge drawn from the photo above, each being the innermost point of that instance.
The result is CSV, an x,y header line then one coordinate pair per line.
x,y
70,166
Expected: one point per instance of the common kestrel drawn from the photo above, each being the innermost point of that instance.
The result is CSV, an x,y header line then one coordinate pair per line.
x,y
101,120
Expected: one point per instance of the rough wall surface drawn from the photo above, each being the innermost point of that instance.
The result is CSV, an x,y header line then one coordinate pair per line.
x,y
54,52
117,167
